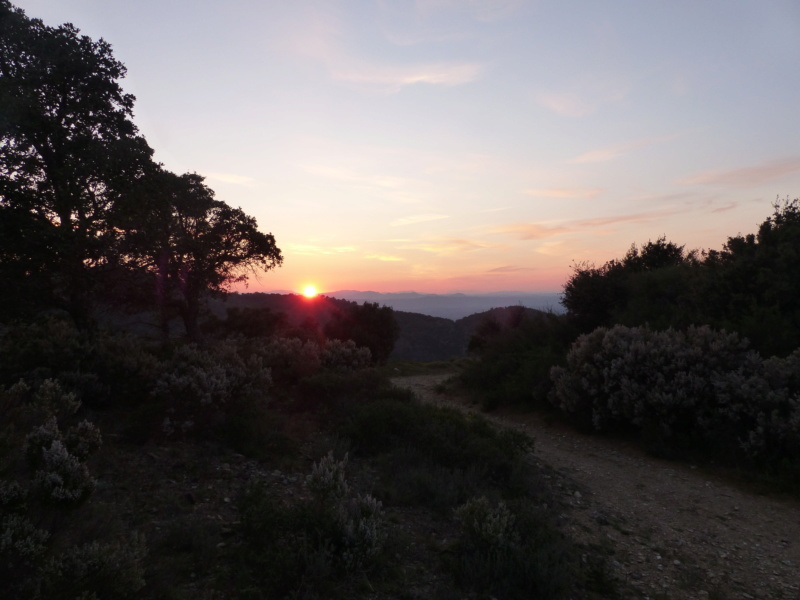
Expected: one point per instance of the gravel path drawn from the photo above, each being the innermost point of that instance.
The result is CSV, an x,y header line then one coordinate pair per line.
x,y
672,531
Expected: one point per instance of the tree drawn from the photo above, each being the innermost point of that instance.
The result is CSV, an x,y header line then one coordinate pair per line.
x,y
369,325
649,284
69,151
191,244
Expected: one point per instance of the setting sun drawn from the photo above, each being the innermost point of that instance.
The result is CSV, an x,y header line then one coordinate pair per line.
x,y
309,291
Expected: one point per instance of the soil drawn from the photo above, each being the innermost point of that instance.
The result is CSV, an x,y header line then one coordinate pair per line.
x,y
671,530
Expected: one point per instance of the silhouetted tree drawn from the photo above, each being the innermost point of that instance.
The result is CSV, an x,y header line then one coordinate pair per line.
x,y
649,284
369,325
68,153
191,244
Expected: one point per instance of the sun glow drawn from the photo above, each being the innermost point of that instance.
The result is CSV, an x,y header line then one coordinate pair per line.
x,y
310,291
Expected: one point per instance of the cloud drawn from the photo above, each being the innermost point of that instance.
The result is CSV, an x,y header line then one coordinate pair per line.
x,y
533,231
566,104
230,178
611,152
566,192
394,77
385,258
449,246
617,219
585,97
315,250
418,219
323,37
510,269
744,176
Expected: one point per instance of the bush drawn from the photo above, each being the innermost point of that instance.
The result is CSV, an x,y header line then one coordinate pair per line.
x,y
298,550
512,361
511,552
696,392
434,456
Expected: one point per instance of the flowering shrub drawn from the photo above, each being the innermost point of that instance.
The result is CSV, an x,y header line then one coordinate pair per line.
x,y
96,570
485,525
345,355
358,518
290,358
201,385
698,389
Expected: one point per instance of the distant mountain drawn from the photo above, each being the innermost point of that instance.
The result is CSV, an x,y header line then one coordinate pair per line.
x,y
427,338
422,337
454,306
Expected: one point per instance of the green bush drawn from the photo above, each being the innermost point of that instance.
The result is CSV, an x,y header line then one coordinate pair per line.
x,y
694,392
511,362
300,549
511,552
435,456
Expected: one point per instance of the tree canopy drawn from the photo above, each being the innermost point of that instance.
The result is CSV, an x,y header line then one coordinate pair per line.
x,y
81,201
751,286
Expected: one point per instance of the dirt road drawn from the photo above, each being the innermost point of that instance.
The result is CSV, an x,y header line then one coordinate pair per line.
x,y
672,530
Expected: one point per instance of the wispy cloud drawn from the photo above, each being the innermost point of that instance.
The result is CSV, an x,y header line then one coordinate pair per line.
x,y
448,246
642,217
316,250
566,192
510,269
323,37
566,104
385,258
394,77
230,178
533,231
616,150
418,219
744,176
583,97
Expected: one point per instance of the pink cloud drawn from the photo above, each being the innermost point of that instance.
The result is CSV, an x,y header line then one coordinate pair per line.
x,y
744,176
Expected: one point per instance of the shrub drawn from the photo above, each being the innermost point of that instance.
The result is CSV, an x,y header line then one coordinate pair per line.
x,y
435,456
511,552
512,359
698,391
96,570
299,549
200,386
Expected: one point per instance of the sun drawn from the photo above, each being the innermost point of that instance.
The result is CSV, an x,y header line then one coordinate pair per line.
x,y
310,291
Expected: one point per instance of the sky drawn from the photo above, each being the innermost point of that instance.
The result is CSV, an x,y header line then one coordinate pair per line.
x,y
465,145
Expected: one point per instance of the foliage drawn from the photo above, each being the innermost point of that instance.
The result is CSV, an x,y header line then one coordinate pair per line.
x,y
301,548
698,391
644,285
200,387
507,553
369,325
68,151
434,456
750,287
191,244
513,357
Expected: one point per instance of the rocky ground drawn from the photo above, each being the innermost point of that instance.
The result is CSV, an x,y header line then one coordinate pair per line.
x,y
672,530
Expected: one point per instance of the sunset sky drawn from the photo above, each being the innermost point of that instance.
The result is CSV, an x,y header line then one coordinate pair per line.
x,y
465,145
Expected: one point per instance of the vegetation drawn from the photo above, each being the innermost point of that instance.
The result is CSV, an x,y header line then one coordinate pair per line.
x,y
694,352
86,215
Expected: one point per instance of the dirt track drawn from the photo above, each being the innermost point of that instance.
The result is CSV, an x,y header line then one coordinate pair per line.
x,y
675,532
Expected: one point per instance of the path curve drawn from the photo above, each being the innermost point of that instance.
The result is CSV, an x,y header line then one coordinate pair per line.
x,y
673,531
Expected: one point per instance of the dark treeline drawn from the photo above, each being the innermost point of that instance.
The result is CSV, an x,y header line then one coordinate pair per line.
x,y
696,352
86,215
751,286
